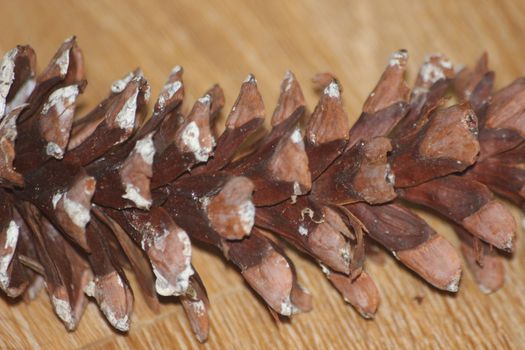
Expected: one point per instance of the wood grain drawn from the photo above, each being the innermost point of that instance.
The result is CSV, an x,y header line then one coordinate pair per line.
x,y
222,42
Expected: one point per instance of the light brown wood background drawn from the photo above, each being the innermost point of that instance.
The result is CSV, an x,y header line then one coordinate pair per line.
x,y
222,42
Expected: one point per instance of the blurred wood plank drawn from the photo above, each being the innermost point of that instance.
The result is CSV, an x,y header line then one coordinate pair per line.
x,y
222,42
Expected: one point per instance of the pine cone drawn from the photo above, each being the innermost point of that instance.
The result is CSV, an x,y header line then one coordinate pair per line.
x,y
86,200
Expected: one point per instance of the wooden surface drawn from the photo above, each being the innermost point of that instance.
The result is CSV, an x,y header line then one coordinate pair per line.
x,y
222,43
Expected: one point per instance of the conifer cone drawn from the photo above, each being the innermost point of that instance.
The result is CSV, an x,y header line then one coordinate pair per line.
x,y
86,200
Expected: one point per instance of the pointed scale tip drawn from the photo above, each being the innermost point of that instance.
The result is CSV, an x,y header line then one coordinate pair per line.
x,y
436,261
490,274
361,293
290,99
398,58
330,247
231,212
494,224
250,79
332,90
272,279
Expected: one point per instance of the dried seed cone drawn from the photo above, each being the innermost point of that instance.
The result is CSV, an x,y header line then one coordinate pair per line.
x,y
86,200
